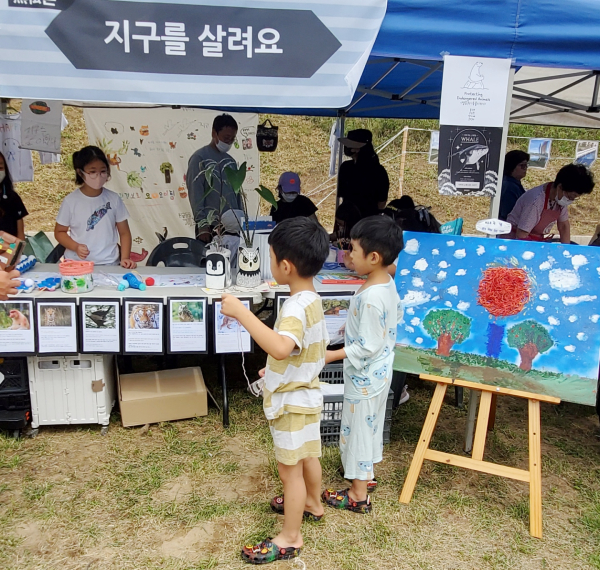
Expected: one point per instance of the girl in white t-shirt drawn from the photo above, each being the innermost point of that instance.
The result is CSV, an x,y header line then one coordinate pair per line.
x,y
92,220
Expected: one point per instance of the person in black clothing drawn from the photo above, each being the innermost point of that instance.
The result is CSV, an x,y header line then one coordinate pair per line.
x,y
410,217
12,209
362,180
515,169
291,204
346,217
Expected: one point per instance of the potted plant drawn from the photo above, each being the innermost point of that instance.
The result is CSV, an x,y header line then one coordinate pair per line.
x,y
167,168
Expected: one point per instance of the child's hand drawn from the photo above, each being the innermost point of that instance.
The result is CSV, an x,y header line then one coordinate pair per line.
x,y
329,357
8,283
262,372
128,264
82,250
231,306
348,261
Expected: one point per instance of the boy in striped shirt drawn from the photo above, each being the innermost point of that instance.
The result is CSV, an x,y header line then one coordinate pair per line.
x,y
292,398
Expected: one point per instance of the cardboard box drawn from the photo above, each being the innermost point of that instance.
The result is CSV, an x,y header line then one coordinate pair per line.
x,y
161,396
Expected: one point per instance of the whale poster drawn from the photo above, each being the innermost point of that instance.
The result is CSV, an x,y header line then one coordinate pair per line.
x,y
515,314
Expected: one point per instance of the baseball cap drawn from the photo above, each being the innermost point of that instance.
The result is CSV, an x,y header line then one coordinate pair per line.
x,y
357,138
290,182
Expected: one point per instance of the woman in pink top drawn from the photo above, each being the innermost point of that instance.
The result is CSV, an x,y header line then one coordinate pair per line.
x,y
536,212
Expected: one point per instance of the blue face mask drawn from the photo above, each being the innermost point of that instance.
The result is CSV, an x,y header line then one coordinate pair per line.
x,y
288,196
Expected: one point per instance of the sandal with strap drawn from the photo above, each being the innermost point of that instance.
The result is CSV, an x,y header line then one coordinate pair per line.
x,y
267,551
341,500
371,485
277,506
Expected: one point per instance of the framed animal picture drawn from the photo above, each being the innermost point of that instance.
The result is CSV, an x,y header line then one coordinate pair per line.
x,y
17,330
57,327
229,335
186,329
143,326
100,326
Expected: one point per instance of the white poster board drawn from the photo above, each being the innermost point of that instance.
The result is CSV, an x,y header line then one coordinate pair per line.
x,y
586,153
143,326
17,333
41,125
230,335
434,147
100,326
187,325
57,327
149,150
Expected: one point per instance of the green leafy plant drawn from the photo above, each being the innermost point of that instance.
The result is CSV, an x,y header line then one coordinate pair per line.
x,y
530,339
166,168
448,327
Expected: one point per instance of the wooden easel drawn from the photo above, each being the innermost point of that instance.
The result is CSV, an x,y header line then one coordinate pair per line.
x,y
533,476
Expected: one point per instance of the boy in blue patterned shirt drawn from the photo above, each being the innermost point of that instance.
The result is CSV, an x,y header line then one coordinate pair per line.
x,y
368,358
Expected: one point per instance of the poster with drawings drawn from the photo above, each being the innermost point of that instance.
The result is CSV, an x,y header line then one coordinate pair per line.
x,y
516,314
149,150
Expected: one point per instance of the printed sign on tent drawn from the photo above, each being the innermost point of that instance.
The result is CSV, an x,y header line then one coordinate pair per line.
x,y
586,153
539,151
472,113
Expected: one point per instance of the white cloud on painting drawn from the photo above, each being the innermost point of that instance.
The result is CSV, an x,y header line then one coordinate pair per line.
x,y
570,348
409,329
449,243
453,290
579,260
415,321
419,340
415,298
461,272
435,252
502,248
410,311
441,275
594,318
573,318
463,305
553,321
544,297
564,279
527,255
547,264
420,264
448,304
443,264
540,309
405,272
576,300
460,254
412,247
480,250
582,336
417,282
566,253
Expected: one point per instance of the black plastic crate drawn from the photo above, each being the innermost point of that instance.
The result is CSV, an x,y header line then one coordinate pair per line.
x,y
332,374
14,371
11,402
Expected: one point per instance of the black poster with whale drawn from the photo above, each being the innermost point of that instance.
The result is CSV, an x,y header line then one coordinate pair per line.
x,y
469,159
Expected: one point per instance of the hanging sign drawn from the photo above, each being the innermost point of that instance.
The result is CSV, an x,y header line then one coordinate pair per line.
x,y
586,153
493,227
40,125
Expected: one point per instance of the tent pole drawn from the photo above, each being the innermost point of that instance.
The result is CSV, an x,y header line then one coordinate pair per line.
x,y
403,159
340,158
495,200
4,106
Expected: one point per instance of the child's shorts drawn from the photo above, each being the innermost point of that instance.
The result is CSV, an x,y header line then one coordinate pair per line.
x,y
361,437
296,436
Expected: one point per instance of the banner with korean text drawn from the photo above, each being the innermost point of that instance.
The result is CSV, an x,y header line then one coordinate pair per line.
x,y
149,150
273,53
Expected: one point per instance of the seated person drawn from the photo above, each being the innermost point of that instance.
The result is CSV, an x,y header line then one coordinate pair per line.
x,y
12,209
410,217
347,216
291,204
515,169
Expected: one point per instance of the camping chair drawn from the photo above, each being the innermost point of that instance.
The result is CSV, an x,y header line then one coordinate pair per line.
x,y
55,255
453,227
179,252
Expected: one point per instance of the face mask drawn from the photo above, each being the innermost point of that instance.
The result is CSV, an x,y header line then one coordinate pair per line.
x,y
288,196
223,147
97,182
350,151
2,175
564,201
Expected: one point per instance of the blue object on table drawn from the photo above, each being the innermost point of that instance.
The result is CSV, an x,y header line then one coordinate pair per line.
x,y
453,227
26,263
132,281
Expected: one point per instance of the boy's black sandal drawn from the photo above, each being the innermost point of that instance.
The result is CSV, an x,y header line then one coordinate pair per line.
x,y
267,551
277,506
341,500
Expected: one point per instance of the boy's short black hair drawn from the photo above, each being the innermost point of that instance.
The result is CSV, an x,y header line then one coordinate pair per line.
x,y
379,234
575,178
303,242
222,121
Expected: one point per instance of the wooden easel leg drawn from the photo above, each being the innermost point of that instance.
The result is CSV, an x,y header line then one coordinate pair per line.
x,y
492,420
482,425
535,470
424,440
471,415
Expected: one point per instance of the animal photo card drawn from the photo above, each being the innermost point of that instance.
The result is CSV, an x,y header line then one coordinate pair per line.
x,y
57,327
100,326
17,332
143,326
186,330
509,313
230,335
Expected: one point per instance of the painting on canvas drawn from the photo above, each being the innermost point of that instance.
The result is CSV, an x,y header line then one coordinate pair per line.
x,y
516,314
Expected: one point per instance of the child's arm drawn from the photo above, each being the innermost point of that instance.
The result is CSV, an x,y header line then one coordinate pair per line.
x,y
274,344
125,240
64,239
334,355
21,229
8,283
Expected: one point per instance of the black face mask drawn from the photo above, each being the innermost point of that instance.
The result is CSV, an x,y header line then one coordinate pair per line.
x,y
349,151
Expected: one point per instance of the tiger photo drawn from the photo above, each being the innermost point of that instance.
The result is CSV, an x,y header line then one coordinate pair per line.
x,y
144,316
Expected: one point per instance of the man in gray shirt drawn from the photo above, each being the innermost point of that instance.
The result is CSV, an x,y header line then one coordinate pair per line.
x,y
202,201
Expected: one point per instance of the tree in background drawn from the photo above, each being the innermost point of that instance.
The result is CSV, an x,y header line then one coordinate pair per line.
x,y
530,339
448,327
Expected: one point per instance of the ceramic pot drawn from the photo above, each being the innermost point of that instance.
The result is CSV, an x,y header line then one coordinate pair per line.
x,y
248,267
218,268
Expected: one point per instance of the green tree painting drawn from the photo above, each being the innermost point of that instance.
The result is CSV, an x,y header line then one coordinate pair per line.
x,y
448,327
530,339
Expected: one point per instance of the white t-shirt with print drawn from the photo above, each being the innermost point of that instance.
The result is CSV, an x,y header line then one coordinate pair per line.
x,y
93,222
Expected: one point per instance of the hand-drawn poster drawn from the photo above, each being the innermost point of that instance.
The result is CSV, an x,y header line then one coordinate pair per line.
x,y
149,150
469,160
100,326
17,333
187,325
40,125
516,314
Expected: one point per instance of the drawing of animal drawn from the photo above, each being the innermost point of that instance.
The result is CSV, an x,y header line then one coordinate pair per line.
x,y
114,160
143,317
333,310
97,216
172,144
136,152
475,80
20,321
185,315
472,154
49,317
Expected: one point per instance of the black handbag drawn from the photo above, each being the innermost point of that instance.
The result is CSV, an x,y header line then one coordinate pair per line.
x,y
267,137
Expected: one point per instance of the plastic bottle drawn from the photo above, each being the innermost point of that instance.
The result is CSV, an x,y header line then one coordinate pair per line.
x,y
134,281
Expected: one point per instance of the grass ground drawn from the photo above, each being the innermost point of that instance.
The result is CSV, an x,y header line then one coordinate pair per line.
x,y
187,495
303,147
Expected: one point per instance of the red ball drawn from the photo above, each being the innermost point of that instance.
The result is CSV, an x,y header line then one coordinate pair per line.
x,y
149,281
